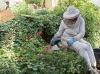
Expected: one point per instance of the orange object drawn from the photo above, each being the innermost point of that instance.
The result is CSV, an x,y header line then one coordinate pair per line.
x,y
47,49
6,15
39,33
19,58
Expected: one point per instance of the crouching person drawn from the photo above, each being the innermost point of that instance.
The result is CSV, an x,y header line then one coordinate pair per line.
x,y
71,32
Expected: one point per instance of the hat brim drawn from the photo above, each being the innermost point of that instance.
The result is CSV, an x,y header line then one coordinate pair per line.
x,y
70,16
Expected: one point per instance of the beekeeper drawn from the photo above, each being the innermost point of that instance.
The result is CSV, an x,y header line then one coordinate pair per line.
x,y
71,32
3,5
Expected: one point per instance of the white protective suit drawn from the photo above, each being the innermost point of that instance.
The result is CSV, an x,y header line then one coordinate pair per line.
x,y
77,30
3,5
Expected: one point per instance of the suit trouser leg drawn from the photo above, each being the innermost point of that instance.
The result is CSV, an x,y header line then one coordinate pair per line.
x,y
91,55
80,49
90,52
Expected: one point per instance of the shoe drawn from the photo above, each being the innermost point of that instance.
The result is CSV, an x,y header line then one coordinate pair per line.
x,y
90,72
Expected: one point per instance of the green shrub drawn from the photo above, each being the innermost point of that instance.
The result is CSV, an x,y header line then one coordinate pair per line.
x,y
34,1
56,62
22,8
92,24
43,11
8,62
23,34
20,35
27,26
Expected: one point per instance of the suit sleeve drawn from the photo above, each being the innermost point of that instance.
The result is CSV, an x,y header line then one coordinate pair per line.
x,y
60,30
81,30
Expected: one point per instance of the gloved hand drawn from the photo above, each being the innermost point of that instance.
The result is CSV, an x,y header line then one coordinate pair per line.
x,y
60,44
70,42
53,40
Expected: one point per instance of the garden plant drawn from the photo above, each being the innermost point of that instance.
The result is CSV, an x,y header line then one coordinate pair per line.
x,y
24,39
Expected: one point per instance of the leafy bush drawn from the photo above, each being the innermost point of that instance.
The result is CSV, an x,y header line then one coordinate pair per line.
x,y
25,26
43,11
8,62
35,1
22,8
21,33
22,36
56,62
92,24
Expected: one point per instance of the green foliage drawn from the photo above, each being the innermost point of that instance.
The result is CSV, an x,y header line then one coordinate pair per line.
x,y
42,11
22,8
92,24
21,29
22,48
20,36
34,1
8,63
48,23
59,62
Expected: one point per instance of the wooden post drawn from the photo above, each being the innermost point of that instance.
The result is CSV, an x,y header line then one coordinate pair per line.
x,y
50,3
